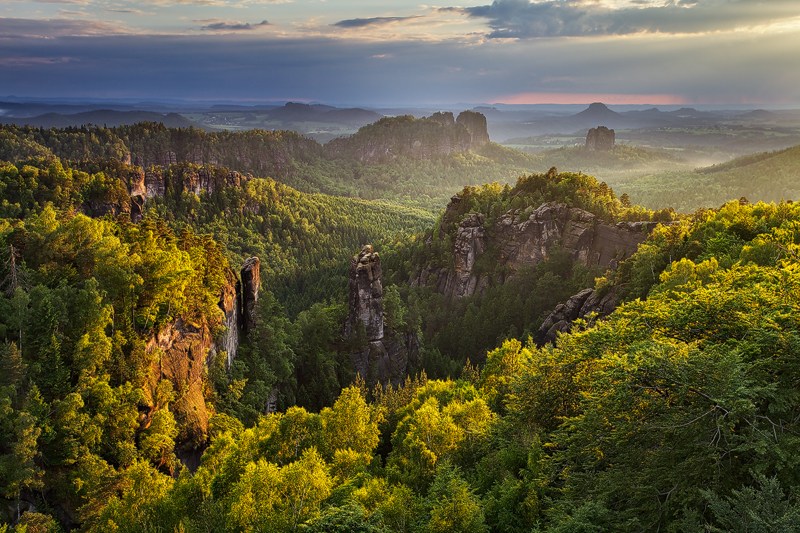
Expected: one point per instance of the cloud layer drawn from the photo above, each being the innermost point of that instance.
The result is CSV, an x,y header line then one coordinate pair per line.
x,y
222,25
373,21
521,19
400,52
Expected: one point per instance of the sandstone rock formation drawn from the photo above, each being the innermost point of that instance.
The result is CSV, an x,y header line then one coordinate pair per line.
x,y
521,238
406,136
380,355
181,350
179,353
366,295
600,139
229,303
581,305
475,123
138,185
187,178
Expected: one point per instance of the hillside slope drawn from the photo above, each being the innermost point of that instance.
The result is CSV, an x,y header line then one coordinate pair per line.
x,y
768,177
454,155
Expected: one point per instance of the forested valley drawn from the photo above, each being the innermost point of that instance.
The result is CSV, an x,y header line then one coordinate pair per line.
x,y
403,330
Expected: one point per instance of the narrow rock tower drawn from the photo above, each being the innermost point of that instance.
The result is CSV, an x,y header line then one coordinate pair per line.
x,y
378,353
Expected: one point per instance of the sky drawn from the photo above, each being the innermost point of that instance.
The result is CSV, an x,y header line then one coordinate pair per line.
x,y
368,52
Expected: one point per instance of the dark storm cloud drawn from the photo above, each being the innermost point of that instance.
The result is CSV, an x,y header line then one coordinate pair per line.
x,y
374,21
554,18
233,26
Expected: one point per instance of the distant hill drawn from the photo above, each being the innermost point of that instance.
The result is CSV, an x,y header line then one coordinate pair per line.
x,y
101,117
623,159
597,112
296,112
427,162
441,134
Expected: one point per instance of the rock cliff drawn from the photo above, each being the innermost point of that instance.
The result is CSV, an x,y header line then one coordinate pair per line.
x,y
135,186
160,181
520,238
475,123
181,350
406,136
379,355
179,353
588,302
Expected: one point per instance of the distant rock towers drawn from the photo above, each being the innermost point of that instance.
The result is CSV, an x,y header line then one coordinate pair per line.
x,y
600,139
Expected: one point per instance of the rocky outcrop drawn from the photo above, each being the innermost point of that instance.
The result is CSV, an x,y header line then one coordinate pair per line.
x,y
251,283
379,354
528,240
523,238
600,139
365,296
585,304
187,178
470,244
406,136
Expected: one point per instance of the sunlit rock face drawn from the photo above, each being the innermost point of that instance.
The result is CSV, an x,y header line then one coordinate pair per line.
x,y
181,350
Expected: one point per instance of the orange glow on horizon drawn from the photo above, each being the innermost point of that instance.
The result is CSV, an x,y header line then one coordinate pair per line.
x,y
587,98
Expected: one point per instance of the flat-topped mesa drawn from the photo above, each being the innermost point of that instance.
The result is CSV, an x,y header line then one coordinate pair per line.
x,y
600,139
379,354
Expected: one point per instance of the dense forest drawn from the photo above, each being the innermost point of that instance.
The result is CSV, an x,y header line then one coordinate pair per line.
x,y
120,409
421,178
